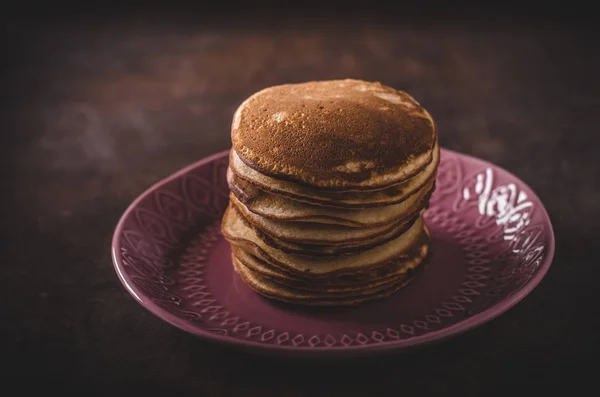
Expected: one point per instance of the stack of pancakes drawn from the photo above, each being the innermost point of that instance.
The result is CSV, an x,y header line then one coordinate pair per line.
x,y
328,183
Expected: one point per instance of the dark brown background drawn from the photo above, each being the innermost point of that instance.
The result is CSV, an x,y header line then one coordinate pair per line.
x,y
96,110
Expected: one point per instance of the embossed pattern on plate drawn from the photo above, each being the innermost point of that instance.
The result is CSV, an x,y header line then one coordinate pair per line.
x,y
493,243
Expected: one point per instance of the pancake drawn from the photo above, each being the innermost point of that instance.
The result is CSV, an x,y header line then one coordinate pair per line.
x,y
315,233
321,250
335,135
280,208
370,278
273,290
328,182
356,200
244,237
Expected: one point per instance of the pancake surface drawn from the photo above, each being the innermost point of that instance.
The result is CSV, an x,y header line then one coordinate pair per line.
x,y
338,134
328,184
341,199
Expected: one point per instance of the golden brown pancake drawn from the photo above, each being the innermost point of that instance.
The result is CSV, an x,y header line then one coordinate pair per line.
x,y
243,179
275,207
273,290
244,237
324,248
337,135
316,233
370,278
328,181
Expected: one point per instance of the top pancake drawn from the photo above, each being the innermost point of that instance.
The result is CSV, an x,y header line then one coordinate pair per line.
x,y
245,180
336,135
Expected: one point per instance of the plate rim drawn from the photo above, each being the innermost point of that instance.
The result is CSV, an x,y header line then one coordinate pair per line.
x,y
461,327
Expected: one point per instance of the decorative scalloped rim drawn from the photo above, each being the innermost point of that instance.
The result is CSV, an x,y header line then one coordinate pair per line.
x,y
231,329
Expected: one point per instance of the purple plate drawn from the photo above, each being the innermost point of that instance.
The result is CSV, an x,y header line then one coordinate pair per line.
x,y
493,243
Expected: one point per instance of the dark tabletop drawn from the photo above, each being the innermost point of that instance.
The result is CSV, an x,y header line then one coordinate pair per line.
x,y
95,114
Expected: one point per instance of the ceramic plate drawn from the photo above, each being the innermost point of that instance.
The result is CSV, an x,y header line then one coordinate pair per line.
x,y
492,244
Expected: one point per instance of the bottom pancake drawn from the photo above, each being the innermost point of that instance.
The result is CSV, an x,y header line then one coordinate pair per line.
x,y
273,290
